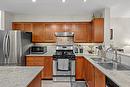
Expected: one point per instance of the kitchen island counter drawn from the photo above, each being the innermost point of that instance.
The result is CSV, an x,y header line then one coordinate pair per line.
x,y
18,76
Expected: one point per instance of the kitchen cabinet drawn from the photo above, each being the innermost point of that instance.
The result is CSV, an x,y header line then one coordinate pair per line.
x,y
98,30
99,78
22,26
48,70
44,32
93,76
82,32
38,32
79,68
50,29
89,74
17,26
36,82
45,61
27,27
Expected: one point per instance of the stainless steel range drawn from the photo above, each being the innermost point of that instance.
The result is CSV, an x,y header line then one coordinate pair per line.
x,y
64,58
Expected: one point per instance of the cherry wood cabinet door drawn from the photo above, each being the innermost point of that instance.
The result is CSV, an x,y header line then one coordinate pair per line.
x,y
91,77
45,61
85,71
38,32
17,26
50,29
48,67
68,27
27,27
89,74
99,78
98,30
36,82
79,68
81,31
60,27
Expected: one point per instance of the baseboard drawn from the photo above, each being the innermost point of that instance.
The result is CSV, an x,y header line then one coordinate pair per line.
x,y
80,80
46,79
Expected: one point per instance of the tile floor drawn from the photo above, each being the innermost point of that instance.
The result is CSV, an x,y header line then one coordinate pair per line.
x,y
62,84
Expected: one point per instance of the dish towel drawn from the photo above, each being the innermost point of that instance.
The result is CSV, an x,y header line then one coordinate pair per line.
x,y
63,64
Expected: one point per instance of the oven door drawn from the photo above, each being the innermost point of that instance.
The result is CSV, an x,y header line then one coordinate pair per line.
x,y
63,64
63,73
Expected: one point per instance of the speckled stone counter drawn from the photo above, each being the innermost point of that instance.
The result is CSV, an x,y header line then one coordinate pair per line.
x,y
45,54
17,76
121,78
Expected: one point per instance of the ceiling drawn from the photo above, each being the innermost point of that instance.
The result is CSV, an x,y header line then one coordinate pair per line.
x,y
69,8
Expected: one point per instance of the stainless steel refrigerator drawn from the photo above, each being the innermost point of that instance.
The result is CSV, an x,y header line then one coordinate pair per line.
x,y
14,45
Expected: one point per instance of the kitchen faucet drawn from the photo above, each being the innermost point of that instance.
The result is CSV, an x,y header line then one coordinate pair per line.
x,y
103,53
115,51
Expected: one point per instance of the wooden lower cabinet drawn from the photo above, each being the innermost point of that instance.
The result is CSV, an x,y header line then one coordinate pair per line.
x,y
93,76
99,78
45,61
36,82
89,74
79,68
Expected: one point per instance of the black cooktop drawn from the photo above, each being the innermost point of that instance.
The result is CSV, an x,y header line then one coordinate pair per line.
x,y
64,54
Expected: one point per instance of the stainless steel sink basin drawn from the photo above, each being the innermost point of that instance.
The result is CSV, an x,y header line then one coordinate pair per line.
x,y
99,60
109,64
112,65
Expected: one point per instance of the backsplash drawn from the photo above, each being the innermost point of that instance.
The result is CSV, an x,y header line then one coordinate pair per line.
x,y
86,46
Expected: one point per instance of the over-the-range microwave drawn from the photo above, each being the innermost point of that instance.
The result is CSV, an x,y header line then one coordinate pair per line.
x,y
38,49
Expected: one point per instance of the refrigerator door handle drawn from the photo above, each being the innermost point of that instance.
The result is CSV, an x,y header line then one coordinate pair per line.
x,y
7,47
4,41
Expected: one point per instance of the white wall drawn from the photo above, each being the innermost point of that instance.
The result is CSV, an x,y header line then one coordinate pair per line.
x,y
39,18
1,20
8,19
121,27
106,15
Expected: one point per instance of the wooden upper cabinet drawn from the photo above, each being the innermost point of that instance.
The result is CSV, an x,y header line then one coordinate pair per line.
x,y
50,32
27,27
60,27
68,27
98,30
23,26
50,29
82,32
38,32
17,26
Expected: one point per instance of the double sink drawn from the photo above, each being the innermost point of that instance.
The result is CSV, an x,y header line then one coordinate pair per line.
x,y
110,64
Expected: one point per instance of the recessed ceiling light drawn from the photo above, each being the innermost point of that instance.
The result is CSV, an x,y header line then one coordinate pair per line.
x,y
33,0
63,1
84,0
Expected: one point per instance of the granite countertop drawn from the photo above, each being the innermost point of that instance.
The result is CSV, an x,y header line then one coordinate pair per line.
x,y
121,78
17,76
45,54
